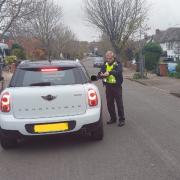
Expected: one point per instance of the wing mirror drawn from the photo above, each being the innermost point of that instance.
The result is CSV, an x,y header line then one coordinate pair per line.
x,y
94,78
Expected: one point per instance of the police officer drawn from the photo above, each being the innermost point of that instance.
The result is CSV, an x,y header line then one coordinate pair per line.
x,y
111,73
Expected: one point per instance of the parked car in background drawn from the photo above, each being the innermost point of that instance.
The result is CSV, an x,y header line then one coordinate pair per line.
x,y
171,64
46,98
172,67
98,61
168,59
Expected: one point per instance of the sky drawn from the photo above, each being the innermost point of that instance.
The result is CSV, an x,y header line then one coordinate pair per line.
x,y
162,15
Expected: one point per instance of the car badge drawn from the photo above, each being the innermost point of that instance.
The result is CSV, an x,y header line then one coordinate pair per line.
x,y
49,97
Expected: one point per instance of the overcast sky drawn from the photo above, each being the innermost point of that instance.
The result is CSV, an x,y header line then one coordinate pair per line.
x,y
162,14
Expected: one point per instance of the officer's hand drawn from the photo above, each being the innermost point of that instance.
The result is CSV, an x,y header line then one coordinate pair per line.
x,y
101,74
106,74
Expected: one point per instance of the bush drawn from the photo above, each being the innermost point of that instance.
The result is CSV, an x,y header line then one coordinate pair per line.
x,y
178,68
138,76
151,61
16,46
174,75
177,75
19,53
152,52
10,59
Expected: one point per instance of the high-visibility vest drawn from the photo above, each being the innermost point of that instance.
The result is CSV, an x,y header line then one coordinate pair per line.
x,y
110,79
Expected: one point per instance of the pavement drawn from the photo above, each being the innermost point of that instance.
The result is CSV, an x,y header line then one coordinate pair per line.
x,y
165,84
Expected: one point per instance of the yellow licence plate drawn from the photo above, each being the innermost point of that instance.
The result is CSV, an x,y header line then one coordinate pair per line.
x,y
56,127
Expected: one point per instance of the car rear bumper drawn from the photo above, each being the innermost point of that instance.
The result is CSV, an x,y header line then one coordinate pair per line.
x,y
83,130
10,125
97,65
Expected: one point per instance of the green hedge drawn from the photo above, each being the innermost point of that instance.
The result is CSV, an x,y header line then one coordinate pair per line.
x,y
178,68
175,75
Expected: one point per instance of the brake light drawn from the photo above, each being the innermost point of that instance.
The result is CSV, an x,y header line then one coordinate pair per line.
x,y
5,102
92,97
49,70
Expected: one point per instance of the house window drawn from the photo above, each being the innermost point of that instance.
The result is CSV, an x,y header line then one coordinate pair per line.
x,y
169,45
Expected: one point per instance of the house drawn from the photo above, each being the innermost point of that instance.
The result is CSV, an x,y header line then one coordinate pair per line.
x,y
169,41
4,51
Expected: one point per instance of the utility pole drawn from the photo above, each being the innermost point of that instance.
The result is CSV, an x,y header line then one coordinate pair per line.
x,y
141,55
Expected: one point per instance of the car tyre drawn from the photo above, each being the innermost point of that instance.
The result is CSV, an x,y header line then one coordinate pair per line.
x,y
98,134
8,143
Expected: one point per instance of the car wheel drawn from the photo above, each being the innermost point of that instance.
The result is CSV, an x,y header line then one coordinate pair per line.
x,y
98,134
8,143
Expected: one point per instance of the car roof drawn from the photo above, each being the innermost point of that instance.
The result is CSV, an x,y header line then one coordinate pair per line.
x,y
99,58
46,63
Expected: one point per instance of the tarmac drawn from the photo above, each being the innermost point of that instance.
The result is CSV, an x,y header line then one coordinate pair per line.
x,y
165,84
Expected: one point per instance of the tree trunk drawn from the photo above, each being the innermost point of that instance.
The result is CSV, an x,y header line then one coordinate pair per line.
x,y
49,50
117,51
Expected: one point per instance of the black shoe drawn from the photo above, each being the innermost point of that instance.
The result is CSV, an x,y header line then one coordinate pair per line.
x,y
121,123
111,121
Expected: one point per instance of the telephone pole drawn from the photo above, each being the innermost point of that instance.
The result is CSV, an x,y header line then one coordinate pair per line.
x,y
141,54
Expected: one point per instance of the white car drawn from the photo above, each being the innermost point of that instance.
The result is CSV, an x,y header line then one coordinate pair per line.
x,y
45,98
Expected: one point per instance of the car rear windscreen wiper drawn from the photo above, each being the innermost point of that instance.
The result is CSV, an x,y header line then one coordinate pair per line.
x,y
41,84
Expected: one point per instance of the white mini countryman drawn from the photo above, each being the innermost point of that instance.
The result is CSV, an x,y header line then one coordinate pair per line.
x,y
45,98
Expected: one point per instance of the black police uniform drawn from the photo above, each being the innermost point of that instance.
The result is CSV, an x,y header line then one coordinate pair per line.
x,y
114,93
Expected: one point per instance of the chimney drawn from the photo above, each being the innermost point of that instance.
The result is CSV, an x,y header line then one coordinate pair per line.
x,y
157,31
146,37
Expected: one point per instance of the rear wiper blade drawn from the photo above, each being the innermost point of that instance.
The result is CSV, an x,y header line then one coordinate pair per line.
x,y
41,84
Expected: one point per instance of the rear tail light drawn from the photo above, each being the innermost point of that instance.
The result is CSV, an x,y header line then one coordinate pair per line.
x,y
5,102
92,97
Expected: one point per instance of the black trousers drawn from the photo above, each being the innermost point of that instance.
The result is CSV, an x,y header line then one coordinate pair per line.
x,y
114,94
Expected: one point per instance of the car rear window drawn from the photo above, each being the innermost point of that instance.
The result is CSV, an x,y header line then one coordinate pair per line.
x,y
25,77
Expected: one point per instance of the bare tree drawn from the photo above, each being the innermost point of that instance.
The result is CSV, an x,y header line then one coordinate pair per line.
x,y
14,10
118,19
104,44
45,21
66,43
62,39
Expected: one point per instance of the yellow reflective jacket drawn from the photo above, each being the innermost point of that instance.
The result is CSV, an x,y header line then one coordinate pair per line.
x,y
110,79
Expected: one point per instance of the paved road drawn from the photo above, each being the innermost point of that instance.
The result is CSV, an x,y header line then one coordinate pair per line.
x,y
147,148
